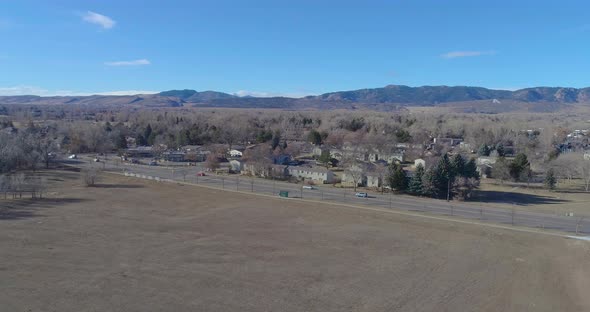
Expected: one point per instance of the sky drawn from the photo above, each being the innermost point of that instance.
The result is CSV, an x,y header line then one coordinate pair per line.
x,y
291,48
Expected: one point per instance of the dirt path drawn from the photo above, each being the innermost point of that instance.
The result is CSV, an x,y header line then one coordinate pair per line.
x,y
139,246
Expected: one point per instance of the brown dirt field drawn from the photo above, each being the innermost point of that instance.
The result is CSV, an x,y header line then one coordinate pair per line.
x,y
132,245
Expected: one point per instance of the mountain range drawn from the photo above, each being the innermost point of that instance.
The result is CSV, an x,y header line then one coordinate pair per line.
x,y
388,97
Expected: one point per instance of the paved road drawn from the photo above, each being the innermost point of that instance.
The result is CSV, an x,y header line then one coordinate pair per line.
x,y
459,209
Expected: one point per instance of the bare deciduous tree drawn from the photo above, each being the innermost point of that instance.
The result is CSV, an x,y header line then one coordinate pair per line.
x,y
212,162
90,176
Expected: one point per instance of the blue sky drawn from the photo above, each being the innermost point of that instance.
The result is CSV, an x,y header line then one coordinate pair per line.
x,y
289,47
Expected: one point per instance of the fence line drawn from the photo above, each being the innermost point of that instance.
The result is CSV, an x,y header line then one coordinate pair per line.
x,y
492,215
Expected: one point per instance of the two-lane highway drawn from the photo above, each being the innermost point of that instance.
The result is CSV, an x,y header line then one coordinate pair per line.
x,y
468,210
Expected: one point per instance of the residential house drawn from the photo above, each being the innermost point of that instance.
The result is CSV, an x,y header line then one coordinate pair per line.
x,y
467,147
486,160
318,150
234,153
361,175
279,171
197,156
374,180
176,156
447,141
336,154
398,156
315,174
485,170
263,170
369,179
140,151
350,180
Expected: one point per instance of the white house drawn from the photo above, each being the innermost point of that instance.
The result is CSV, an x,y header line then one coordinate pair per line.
x,y
315,174
374,180
370,179
235,153
486,160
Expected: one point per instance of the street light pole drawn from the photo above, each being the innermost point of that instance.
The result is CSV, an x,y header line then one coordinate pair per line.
x,y
448,187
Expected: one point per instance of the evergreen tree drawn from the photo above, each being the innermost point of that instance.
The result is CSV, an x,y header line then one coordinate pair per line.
x,y
325,158
147,132
550,180
120,141
396,177
415,185
501,169
471,169
152,138
443,177
140,140
458,166
500,150
518,166
182,138
483,150
276,139
314,137
428,188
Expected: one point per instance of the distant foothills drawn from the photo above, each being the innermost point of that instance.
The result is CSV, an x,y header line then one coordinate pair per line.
x,y
389,97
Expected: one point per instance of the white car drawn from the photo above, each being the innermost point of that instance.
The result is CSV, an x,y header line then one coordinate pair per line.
x,y
73,156
96,160
361,195
308,187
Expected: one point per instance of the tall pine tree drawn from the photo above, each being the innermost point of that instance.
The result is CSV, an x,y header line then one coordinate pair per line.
x,y
415,185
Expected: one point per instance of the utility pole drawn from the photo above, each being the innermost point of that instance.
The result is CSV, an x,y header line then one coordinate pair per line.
x,y
480,212
390,196
448,187
578,225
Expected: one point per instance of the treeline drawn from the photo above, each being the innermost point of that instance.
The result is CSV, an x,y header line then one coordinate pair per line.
x,y
182,126
449,178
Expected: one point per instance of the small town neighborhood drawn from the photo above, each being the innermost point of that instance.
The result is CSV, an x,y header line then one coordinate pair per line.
x,y
350,165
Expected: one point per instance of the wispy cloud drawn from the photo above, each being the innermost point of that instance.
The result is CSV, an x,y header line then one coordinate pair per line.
x,y
32,90
270,94
456,54
99,19
129,63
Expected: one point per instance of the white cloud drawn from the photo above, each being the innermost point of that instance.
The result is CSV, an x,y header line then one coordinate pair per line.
x,y
129,63
269,94
455,54
32,90
99,19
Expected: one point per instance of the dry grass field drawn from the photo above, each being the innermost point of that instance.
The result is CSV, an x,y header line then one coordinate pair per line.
x,y
130,245
567,198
